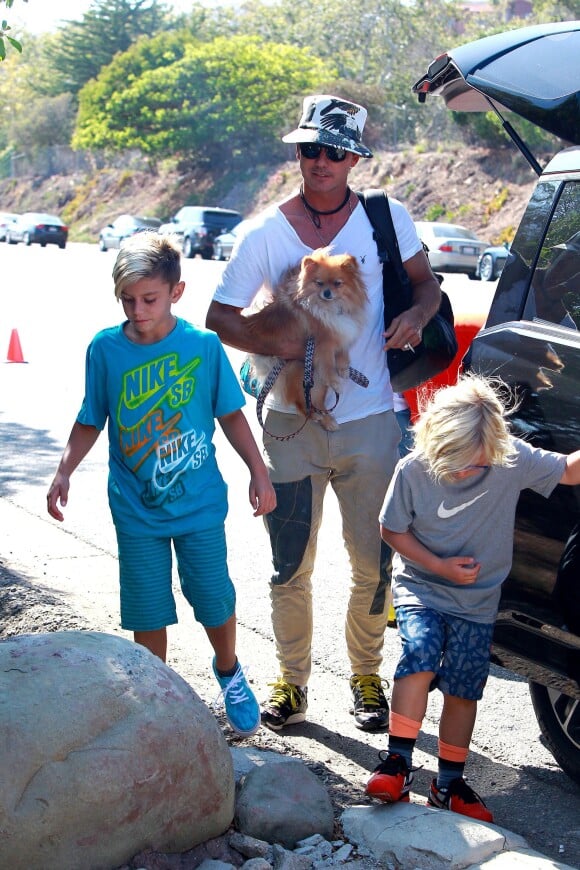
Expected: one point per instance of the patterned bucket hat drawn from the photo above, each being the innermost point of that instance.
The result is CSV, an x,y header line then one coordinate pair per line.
x,y
331,121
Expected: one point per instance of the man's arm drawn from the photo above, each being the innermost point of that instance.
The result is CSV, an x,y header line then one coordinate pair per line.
x,y
408,326
232,328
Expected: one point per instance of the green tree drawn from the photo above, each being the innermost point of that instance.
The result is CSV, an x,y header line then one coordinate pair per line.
x,y
84,47
217,100
48,121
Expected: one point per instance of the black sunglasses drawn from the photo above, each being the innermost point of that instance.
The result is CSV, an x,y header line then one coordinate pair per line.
x,y
312,150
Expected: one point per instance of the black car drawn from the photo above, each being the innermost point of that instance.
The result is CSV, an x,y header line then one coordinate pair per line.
x,y
532,340
197,227
123,227
34,227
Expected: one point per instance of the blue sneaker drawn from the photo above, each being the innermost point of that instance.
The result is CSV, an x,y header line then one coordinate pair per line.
x,y
242,709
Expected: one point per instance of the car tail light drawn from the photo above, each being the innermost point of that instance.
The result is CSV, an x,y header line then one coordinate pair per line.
x,y
447,248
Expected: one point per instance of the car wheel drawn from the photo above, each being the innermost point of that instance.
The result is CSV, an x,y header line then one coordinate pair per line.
x,y
188,248
10,240
558,716
62,245
102,245
486,268
26,239
206,253
218,253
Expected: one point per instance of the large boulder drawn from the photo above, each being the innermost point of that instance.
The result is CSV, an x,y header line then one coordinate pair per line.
x,y
104,752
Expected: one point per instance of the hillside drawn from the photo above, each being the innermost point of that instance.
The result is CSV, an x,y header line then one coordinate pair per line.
x,y
486,190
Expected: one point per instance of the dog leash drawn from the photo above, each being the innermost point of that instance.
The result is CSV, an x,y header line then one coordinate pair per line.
x,y
308,384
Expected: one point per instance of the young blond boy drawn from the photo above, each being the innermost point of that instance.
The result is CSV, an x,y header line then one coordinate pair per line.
x,y
449,514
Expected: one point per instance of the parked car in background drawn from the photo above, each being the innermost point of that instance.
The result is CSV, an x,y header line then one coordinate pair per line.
x,y
123,227
452,248
224,243
37,228
197,227
531,338
491,262
6,218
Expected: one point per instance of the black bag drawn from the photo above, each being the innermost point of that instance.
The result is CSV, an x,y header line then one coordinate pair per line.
x,y
438,345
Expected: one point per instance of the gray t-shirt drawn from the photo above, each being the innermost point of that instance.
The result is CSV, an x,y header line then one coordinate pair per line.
x,y
471,517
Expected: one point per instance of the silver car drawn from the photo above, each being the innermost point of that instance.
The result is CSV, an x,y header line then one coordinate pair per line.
x,y
452,248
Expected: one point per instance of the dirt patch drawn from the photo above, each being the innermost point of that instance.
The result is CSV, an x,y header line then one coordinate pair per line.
x,y
484,189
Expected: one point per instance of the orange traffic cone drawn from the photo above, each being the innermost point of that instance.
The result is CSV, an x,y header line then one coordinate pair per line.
x,y
15,349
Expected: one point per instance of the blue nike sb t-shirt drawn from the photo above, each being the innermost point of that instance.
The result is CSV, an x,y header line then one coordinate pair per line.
x,y
161,401
470,517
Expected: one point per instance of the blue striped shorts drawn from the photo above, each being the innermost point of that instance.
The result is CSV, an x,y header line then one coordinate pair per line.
x,y
145,573
456,650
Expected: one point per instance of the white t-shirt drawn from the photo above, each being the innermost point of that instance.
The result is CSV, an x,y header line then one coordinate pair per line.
x,y
270,245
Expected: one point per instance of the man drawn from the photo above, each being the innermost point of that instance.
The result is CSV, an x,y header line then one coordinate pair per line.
x,y
358,459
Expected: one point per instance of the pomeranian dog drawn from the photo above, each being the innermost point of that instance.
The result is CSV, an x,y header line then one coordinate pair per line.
x,y
324,297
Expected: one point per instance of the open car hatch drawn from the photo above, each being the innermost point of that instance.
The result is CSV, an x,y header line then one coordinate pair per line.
x,y
532,71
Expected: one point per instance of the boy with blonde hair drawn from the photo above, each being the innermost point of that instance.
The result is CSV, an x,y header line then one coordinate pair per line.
x,y
161,383
449,515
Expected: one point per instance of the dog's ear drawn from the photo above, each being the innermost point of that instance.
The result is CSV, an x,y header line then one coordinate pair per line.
x,y
307,265
350,264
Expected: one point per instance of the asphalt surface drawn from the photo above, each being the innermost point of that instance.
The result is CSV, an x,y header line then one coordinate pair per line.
x,y
57,300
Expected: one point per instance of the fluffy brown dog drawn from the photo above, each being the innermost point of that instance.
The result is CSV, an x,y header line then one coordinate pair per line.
x,y
324,297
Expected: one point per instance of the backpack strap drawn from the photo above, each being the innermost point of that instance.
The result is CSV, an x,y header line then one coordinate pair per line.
x,y
376,204
395,278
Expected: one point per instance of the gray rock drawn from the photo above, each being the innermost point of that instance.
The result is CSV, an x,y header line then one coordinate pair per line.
x,y
105,752
257,864
249,847
211,864
283,804
285,860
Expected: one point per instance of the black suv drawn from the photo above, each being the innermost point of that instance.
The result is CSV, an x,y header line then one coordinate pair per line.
x,y
197,226
531,340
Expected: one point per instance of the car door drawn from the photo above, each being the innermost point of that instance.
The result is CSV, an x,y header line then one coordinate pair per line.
x,y
531,340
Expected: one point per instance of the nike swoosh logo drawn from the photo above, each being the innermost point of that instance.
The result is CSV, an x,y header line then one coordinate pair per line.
x,y
445,513
129,417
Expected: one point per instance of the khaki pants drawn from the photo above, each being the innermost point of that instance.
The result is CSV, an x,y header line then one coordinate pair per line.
x,y
358,461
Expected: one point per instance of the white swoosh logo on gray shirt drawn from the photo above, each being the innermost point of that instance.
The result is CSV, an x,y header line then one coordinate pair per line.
x,y
445,513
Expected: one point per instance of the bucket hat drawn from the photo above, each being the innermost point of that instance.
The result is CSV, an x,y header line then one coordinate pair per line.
x,y
333,121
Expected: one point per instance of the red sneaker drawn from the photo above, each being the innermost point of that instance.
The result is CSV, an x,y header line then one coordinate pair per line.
x,y
459,798
391,779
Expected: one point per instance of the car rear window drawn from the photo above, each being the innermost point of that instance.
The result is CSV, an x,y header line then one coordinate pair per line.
x,y
221,221
452,232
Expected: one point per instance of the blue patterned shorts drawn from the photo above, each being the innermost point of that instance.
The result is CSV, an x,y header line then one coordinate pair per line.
x,y
456,650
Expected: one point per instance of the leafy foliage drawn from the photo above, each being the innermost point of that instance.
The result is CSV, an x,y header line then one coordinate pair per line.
x,y
110,26
217,83
213,100
4,29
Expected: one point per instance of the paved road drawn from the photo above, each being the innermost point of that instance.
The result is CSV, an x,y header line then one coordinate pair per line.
x,y
57,300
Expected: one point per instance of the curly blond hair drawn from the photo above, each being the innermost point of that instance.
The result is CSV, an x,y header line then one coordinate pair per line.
x,y
465,424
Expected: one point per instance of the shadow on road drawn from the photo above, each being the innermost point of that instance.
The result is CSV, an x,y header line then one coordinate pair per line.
x,y
26,456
